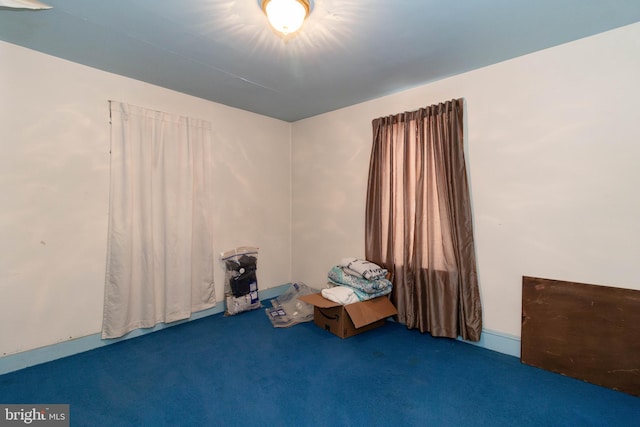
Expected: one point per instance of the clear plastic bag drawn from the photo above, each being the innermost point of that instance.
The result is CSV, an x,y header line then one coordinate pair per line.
x,y
241,280
288,310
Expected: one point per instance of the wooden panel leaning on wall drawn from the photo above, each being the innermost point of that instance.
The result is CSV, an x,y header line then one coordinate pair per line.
x,y
583,331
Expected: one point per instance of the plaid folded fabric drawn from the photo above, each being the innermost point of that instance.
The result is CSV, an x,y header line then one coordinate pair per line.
x,y
363,268
364,289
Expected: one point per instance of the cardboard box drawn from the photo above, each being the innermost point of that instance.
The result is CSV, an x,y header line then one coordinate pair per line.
x,y
352,319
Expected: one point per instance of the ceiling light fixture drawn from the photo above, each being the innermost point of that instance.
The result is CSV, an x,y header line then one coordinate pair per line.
x,y
286,16
23,4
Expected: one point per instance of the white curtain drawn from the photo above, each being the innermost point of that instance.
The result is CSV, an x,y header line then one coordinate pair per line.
x,y
160,244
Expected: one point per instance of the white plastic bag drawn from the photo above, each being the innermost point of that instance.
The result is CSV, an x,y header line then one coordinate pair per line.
x,y
241,280
288,310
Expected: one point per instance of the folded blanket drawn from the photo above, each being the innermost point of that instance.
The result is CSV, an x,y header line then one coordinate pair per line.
x,y
363,288
341,294
364,268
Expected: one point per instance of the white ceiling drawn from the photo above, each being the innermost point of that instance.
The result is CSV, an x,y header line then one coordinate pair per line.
x,y
348,51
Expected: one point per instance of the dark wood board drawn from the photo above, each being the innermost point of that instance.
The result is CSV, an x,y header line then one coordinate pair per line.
x,y
584,331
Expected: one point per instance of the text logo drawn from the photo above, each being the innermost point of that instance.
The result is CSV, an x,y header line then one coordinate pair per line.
x,y
34,415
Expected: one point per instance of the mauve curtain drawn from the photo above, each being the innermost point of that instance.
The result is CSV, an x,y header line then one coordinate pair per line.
x,y
160,250
418,220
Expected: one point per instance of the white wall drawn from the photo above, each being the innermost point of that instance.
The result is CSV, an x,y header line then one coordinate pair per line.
x,y
54,183
553,141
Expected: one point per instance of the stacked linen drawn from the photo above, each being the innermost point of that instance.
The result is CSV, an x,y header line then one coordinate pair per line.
x,y
363,268
356,280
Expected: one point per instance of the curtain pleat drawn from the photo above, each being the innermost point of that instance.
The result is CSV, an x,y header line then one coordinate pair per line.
x,y
160,242
418,220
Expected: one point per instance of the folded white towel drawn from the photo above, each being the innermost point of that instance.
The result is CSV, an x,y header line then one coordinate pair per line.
x,y
341,294
364,268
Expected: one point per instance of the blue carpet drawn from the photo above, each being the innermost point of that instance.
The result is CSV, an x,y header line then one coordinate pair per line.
x,y
239,371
